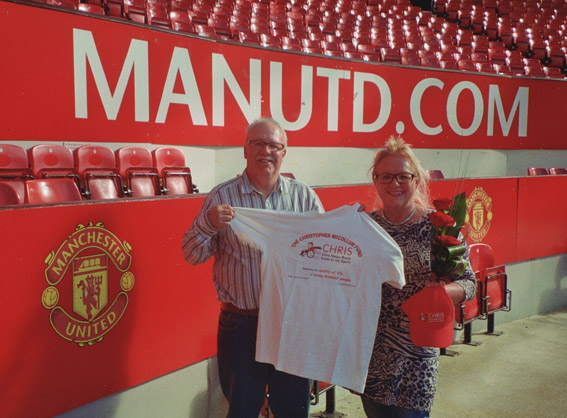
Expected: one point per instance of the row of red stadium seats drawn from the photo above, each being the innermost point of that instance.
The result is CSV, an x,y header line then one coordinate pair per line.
x,y
492,293
462,35
52,173
541,171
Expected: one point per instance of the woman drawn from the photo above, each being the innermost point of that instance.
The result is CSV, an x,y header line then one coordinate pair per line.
x,y
402,377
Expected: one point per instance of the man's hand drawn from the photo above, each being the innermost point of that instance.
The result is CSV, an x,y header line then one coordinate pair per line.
x,y
220,215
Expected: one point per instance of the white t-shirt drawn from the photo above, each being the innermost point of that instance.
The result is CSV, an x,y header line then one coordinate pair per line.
x,y
322,277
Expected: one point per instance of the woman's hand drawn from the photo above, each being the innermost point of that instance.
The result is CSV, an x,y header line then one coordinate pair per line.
x,y
454,290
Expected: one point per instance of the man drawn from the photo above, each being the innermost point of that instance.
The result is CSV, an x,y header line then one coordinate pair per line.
x,y
236,273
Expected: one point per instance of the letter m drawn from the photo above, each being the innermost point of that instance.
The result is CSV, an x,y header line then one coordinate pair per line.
x,y
520,105
84,49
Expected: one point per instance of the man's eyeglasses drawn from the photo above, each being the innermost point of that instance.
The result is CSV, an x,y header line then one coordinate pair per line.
x,y
272,146
402,178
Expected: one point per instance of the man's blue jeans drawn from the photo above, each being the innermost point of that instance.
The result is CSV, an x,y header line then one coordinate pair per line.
x,y
243,380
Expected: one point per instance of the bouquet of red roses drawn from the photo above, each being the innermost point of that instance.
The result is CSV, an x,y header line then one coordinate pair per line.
x,y
447,249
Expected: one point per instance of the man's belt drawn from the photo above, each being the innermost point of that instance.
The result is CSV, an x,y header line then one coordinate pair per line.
x,y
229,307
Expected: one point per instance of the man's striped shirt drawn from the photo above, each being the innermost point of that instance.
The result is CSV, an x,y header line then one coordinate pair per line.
x,y
236,269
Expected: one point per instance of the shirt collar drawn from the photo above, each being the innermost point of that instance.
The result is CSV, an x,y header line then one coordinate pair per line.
x,y
282,184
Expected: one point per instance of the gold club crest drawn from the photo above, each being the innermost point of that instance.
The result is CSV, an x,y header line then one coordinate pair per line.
x,y
479,214
84,301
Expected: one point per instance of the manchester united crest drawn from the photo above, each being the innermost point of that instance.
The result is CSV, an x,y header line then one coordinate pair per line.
x,y
88,283
479,214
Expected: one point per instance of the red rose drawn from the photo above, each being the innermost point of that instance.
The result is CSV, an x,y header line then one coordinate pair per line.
x,y
443,204
441,220
448,241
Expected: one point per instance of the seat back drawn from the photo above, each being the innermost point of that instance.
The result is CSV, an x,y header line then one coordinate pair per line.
x,y
495,284
52,160
14,168
90,158
537,171
481,256
8,195
13,157
135,166
557,171
175,175
96,166
166,158
52,190
434,174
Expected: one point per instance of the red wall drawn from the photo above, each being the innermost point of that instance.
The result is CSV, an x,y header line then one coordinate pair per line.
x,y
57,58
170,319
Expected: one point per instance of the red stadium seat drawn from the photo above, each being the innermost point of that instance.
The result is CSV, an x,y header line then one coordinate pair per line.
x,y
557,171
555,56
347,47
96,166
430,61
198,17
8,195
410,60
180,21
495,292
180,5
434,175
522,42
331,53
494,283
292,47
175,175
515,64
207,32
553,72
249,38
114,8
68,4
14,168
330,46
449,64
52,160
502,69
353,55
390,55
91,8
158,16
538,48
52,190
135,166
537,171
313,50
466,312
485,67
270,41
497,56
135,10
534,71
480,257
220,25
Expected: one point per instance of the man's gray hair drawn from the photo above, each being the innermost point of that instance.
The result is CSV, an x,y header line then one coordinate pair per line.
x,y
267,119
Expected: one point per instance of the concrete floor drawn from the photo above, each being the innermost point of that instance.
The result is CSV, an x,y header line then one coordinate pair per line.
x,y
520,374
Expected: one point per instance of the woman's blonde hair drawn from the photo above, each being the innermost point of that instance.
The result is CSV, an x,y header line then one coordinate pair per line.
x,y
397,146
